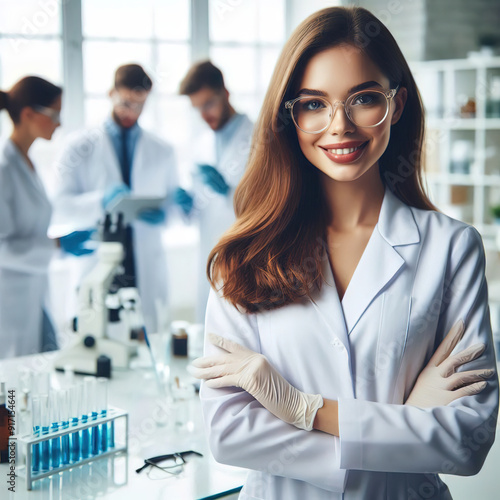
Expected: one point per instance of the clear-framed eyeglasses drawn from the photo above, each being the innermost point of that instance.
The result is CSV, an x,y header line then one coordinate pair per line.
x,y
52,113
130,106
172,466
210,103
366,109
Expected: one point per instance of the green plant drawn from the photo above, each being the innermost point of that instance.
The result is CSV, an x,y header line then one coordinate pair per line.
x,y
495,210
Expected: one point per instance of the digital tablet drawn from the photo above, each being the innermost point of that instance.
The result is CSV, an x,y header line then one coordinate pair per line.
x,y
131,206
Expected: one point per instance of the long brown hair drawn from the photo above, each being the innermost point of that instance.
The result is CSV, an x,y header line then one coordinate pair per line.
x,y
272,254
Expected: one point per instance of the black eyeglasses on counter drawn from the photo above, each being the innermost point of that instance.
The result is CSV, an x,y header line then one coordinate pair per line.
x,y
172,463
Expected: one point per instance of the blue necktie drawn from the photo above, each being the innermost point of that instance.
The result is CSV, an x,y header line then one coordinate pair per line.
x,y
125,163
128,278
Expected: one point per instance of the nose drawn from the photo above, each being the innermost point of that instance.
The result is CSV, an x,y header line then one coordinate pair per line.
x,y
340,122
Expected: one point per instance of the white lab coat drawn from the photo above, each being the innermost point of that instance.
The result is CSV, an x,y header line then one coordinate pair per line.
x,y
25,254
88,167
214,211
420,272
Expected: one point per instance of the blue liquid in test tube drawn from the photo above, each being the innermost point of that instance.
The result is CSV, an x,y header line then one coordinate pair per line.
x,y
45,427
102,407
75,411
85,442
35,418
55,443
64,416
91,384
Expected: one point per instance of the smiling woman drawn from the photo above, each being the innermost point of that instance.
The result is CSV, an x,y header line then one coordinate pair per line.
x,y
341,295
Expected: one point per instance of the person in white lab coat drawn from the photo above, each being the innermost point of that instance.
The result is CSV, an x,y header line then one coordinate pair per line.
x,y
325,369
220,156
34,105
100,164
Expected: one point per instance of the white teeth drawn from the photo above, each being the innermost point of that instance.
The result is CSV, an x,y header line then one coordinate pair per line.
x,y
344,151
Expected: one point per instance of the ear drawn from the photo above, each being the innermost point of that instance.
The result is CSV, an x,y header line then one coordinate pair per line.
x,y
111,91
399,102
26,114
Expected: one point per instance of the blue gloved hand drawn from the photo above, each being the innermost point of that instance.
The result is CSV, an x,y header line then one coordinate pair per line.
x,y
114,192
182,198
153,216
74,243
213,178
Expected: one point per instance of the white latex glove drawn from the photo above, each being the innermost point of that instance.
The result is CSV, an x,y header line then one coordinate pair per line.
x,y
438,384
242,367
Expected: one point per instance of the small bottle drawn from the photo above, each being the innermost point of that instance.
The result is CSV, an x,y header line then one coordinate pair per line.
x,y
179,338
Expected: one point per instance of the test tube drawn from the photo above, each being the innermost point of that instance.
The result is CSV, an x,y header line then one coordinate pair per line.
x,y
102,407
43,382
85,442
55,443
91,383
45,425
111,434
76,411
64,416
35,419
25,387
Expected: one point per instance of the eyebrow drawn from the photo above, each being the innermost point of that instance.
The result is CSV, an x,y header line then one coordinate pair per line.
x,y
361,86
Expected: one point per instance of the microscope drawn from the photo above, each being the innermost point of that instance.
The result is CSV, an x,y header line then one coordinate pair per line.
x,y
109,323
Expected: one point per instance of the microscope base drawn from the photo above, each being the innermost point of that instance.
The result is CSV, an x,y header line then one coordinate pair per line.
x,y
83,359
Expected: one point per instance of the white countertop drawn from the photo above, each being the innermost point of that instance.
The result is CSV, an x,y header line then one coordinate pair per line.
x,y
152,431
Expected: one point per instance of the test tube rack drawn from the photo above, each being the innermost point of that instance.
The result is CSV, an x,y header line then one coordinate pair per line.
x,y
26,442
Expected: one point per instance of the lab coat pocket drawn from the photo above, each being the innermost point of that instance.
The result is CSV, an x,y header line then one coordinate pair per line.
x,y
392,339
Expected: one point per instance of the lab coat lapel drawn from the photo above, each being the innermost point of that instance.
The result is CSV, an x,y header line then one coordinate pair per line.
x,y
380,261
327,303
31,177
139,180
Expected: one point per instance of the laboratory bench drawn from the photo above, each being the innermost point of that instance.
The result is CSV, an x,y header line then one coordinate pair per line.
x,y
157,426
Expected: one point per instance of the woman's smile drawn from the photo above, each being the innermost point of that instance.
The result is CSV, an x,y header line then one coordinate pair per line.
x,y
345,152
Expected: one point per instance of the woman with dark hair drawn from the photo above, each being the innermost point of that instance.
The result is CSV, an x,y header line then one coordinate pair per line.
x,y
340,292
34,106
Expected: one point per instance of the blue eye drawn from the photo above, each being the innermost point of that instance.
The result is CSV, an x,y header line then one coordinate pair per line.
x,y
312,105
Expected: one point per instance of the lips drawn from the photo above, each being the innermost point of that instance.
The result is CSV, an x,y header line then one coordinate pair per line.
x,y
345,152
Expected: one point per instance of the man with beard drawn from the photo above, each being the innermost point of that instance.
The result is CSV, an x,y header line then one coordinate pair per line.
x,y
102,164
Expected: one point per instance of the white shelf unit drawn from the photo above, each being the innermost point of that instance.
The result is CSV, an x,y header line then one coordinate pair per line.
x,y
445,86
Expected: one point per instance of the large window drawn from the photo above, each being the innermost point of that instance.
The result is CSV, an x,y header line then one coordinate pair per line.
x,y
29,30
153,33
79,44
245,41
